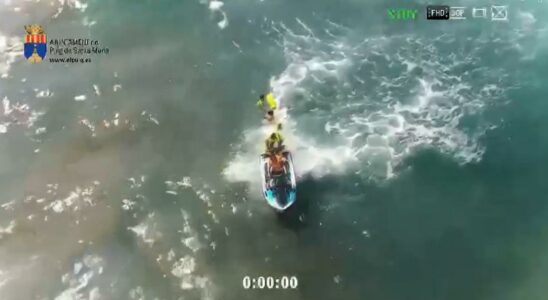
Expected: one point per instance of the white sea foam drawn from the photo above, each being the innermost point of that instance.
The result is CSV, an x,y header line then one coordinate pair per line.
x,y
6,106
185,265
372,118
44,94
17,114
147,230
192,243
10,51
310,157
97,90
185,182
135,183
78,281
75,200
72,4
215,6
87,22
185,269
137,293
8,205
7,230
90,125
128,204
224,21
80,98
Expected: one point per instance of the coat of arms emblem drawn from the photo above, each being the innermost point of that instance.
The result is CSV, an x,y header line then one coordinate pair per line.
x,y
35,43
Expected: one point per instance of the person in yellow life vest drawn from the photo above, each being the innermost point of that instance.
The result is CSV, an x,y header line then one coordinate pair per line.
x,y
274,143
268,103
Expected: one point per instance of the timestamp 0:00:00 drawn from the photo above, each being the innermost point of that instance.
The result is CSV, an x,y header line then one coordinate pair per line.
x,y
270,282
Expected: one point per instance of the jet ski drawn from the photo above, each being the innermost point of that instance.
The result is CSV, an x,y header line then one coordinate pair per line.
x,y
279,190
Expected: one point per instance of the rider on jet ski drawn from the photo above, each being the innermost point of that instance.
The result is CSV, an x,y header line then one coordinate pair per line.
x,y
275,152
277,162
274,143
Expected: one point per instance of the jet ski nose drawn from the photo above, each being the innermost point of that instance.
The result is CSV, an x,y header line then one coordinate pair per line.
x,y
282,197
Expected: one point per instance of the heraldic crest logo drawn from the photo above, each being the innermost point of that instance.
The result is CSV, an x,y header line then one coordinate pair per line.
x,y
35,43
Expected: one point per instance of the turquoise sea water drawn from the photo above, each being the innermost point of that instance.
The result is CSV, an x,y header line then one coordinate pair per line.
x,y
421,148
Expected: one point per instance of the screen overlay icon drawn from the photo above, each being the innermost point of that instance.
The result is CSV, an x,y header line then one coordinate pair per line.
x,y
499,13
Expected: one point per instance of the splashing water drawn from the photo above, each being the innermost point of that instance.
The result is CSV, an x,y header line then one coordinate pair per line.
x,y
377,101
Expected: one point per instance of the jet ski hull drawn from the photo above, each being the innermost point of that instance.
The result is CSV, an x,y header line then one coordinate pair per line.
x,y
279,191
